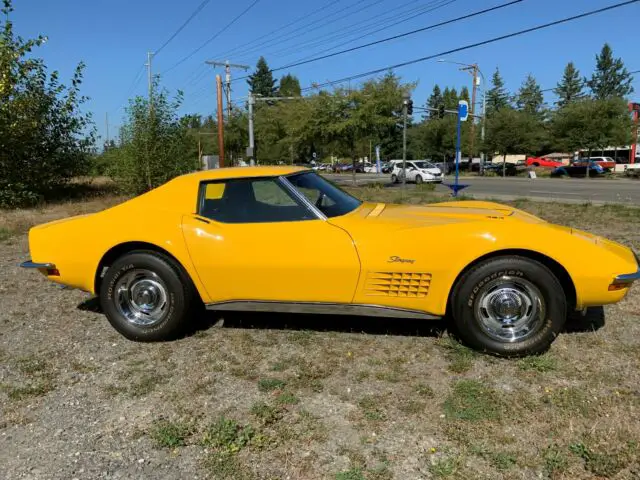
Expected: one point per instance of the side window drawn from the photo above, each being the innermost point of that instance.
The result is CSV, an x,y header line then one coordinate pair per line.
x,y
270,193
247,200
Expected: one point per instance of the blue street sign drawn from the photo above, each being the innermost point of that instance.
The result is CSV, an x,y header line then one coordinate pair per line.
x,y
463,110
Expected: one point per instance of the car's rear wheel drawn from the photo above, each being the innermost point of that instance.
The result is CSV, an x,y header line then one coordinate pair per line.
x,y
509,306
419,179
146,296
394,178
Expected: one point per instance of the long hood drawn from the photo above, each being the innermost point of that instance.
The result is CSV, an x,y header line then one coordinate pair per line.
x,y
398,217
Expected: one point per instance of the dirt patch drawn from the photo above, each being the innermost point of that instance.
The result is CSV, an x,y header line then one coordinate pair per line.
x,y
299,397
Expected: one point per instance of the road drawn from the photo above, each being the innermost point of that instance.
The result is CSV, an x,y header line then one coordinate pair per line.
x,y
571,190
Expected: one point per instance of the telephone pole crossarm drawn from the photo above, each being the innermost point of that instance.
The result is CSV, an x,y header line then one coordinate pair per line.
x,y
227,80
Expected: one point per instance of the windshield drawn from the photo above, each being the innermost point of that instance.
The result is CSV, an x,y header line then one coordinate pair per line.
x,y
422,164
327,197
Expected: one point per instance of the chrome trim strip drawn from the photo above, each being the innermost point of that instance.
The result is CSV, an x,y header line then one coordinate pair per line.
x,y
289,186
30,264
320,308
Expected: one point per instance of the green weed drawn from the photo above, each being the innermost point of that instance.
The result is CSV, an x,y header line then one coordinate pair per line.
x,y
169,434
472,401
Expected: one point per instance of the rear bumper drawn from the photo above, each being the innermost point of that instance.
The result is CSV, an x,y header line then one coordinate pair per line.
x,y
39,266
628,278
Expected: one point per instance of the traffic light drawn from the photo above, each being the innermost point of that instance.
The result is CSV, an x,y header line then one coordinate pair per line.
x,y
409,107
441,111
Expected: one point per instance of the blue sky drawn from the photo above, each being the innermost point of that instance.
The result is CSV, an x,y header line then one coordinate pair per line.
x,y
112,38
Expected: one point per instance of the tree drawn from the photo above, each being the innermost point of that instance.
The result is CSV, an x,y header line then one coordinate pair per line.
x,y
570,88
513,132
45,140
497,96
155,145
261,82
529,98
592,124
464,95
289,86
342,118
434,101
611,78
450,98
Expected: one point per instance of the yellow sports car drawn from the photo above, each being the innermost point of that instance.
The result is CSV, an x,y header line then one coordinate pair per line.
x,y
283,239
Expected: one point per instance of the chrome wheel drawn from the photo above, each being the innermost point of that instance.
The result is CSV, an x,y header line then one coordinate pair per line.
x,y
141,297
510,309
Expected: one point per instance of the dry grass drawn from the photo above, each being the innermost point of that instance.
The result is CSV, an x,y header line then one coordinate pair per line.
x,y
276,396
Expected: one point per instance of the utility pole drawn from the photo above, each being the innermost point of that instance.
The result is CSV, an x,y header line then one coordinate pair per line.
x,y
220,121
149,78
482,130
106,124
251,151
474,73
405,107
227,80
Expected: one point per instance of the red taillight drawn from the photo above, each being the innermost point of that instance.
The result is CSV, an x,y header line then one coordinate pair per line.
x,y
53,272
618,286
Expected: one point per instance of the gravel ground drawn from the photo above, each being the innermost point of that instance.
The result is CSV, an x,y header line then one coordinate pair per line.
x,y
300,397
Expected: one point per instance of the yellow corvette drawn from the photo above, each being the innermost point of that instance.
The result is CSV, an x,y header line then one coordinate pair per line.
x,y
283,239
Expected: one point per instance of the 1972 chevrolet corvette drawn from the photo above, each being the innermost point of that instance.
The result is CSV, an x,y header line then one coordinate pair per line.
x,y
283,239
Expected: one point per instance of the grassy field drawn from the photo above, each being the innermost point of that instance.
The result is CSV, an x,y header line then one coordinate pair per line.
x,y
301,397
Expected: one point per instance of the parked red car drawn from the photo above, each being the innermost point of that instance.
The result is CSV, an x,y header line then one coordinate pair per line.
x,y
542,162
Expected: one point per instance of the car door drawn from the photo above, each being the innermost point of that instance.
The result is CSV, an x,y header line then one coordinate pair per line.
x,y
252,239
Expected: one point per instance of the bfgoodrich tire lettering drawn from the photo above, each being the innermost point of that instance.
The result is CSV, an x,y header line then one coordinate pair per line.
x,y
515,281
147,297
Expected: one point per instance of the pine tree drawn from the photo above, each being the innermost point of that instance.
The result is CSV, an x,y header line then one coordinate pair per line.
x,y
434,101
450,98
464,95
611,78
261,82
529,98
289,86
570,88
497,96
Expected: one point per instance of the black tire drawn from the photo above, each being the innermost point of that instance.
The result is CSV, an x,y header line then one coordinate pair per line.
x,y
394,178
419,179
470,319
165,279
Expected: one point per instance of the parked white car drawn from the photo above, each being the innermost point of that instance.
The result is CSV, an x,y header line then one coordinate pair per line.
x,y
418,171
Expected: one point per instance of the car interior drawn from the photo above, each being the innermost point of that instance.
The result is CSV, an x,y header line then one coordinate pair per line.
x,y
238,204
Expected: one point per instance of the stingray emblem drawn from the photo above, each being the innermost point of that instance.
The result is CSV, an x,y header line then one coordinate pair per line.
x,y
396,259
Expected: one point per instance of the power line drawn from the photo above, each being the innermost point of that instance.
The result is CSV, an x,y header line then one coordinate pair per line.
x,y
473,45
554,88
134,84
287,36
211,39
395,37
187,21
374,26
303,17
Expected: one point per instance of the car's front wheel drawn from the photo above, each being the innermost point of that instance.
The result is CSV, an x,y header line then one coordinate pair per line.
x,y
394,178
146,296
509,306
419,179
